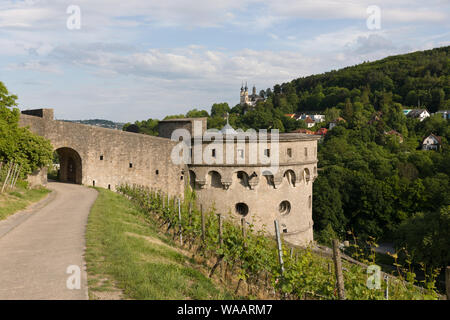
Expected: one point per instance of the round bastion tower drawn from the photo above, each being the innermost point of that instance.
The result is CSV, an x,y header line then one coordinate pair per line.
x,y
234,181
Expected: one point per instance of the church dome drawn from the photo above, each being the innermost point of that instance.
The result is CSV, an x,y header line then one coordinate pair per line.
x,y
227,129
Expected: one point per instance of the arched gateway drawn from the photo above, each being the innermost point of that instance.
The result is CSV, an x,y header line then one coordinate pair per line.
x,y
70,165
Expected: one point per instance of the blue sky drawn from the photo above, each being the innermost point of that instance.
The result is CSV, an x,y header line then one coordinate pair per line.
x,y
135,59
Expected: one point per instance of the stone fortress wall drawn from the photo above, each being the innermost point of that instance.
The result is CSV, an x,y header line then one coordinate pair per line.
x,y
102,157
106,157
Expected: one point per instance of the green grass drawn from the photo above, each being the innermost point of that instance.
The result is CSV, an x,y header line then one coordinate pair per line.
x,y
128,259
18,199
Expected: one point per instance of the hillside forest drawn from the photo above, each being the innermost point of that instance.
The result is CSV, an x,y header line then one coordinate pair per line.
x,y
371,183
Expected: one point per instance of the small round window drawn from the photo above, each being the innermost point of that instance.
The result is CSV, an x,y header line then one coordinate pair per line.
x,y
242,208
284,207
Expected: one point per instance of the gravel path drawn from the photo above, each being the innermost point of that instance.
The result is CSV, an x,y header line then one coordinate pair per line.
x,y
37,249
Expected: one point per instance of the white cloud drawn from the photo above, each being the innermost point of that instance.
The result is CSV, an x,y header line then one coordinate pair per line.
x,y
372,43
154,75
397,11
194,13
34,65
193,63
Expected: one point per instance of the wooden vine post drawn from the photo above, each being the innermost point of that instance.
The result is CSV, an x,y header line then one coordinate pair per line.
x,y
244,232
179,221
220,230
338,269
7,177
279,248
17,176
203,224
13,176
386,291
190,214
221,256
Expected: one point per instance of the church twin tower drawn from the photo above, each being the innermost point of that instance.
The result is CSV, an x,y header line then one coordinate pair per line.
x,y
249,100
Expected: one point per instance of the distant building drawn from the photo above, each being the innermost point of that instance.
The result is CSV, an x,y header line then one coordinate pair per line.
x,y
290,115
335,122
445,114
318,117
395,133
310,119
309,122
406,111
432,142
322,131
420,114
249,100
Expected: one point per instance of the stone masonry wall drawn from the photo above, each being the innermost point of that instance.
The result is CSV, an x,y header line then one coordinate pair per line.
x,y
126,157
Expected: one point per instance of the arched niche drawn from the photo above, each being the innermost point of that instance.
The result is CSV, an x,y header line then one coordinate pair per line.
x,y
306,175
215,179
242,179
290,177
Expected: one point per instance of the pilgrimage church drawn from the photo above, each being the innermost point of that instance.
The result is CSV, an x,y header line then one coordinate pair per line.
x,y
249,100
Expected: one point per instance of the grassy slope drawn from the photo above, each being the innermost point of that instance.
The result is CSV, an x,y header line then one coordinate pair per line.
x,y
127,258
12,201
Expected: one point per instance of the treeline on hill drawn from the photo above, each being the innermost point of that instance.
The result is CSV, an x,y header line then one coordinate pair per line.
x,y
419,78
18,144
369,182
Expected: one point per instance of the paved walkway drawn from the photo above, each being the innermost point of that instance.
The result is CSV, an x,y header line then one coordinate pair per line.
x,y
38,245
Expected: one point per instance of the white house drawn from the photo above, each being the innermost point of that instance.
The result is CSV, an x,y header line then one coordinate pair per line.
x,y
310,119
431,142
318,117
309,122
420,114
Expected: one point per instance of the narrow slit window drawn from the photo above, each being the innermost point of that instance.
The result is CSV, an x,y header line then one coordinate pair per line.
x,y
101,157
131,165
289,152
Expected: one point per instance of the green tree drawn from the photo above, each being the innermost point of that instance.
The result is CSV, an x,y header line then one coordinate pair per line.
x,y
220,109
437,99
426,235
18,144
194,113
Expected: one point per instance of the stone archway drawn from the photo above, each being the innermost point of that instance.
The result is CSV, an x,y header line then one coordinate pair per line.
x,y
70,169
